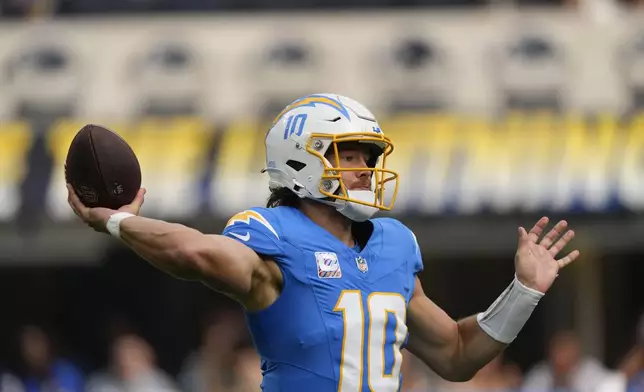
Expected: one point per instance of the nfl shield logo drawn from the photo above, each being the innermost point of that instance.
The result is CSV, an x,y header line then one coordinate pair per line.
x,y
362,264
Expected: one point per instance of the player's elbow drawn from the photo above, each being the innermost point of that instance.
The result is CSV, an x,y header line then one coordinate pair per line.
x,y
460,368
453,371
452,364
447,366
458,375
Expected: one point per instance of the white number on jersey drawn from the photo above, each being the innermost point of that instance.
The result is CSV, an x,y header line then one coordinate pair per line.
x,y
379,307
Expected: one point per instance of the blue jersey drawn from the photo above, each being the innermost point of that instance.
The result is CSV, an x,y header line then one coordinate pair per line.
x,y
339,322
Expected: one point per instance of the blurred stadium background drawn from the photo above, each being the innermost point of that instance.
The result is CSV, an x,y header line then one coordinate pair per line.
x,y
500,110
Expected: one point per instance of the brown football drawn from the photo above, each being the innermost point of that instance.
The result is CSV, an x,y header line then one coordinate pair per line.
x,y
102,168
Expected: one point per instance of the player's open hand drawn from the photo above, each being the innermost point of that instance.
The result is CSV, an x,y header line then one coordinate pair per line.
x,y
536,264
96,218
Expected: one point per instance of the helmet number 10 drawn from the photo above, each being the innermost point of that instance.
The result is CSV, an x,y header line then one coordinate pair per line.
x,y
385,315
295,125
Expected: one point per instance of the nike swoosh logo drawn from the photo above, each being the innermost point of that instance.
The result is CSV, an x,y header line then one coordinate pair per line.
x,y
244,238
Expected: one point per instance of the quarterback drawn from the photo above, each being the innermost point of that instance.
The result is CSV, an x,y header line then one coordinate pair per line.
x,y
331,294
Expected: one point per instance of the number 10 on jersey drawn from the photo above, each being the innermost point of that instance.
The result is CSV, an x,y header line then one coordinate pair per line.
x,y
386,331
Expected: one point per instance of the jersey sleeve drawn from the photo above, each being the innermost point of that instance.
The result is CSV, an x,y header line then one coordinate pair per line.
x,y
417,257
257,229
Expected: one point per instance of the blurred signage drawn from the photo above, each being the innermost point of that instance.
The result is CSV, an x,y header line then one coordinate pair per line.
x,y
229,66
447,164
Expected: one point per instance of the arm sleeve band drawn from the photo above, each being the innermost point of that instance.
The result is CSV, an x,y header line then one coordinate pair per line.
x,y
505,318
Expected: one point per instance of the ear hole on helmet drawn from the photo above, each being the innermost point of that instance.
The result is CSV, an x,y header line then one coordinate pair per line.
x,y
296,165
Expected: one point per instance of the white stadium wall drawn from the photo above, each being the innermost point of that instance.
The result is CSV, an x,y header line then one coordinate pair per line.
x,y
351,49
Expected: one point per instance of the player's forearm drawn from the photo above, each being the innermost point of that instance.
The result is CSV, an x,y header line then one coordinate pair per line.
x,y
483,336
457,350
163,244
475,349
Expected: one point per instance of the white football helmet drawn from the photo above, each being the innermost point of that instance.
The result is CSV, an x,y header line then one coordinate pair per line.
x,y
305,131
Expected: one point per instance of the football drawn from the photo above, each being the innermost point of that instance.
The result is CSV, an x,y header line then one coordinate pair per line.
x,y
102,168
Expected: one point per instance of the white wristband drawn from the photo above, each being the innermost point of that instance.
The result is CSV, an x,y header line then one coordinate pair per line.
x,y
505,318
114,223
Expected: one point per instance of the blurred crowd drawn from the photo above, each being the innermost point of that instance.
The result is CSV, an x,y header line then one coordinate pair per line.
x,y
18,8
226,361
73,7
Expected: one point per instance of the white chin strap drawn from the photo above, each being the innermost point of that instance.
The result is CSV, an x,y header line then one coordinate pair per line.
x,y
358,212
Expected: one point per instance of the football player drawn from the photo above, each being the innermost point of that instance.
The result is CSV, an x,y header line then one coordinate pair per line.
x,y
331,294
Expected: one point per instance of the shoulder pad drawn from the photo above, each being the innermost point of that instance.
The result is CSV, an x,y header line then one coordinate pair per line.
x,y
256,228
406,238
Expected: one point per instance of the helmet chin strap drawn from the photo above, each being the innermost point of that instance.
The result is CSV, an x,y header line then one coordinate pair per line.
x,y
354,211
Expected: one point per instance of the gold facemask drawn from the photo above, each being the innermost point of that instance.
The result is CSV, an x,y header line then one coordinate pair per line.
x,y
380,173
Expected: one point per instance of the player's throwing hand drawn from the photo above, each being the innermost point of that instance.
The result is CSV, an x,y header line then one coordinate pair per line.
x,y
535,261
97,218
